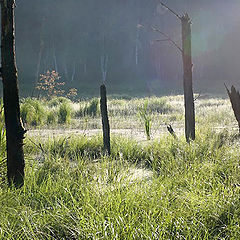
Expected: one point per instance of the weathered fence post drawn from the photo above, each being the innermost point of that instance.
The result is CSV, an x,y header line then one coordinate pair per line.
x,y
105,121
187,78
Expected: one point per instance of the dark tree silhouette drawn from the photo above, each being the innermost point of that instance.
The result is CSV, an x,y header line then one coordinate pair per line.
x,y
105,121
186,52
14,129
187,78
234,96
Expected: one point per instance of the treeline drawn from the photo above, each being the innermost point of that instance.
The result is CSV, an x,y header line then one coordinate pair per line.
x,y
75,37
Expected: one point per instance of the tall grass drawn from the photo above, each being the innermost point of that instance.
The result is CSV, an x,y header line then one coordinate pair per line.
x,y
64,113
163,189
145,117
89,108
77,193
32,112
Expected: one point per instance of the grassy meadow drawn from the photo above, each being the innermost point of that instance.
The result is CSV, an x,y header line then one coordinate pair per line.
x,y
162,188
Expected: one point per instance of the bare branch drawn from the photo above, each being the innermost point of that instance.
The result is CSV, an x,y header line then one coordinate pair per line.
x,y
171,131
167,38
162,40
170,10
197,97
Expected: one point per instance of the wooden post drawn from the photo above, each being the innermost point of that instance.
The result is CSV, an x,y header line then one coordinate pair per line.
x,y
14,129
187,78
105,121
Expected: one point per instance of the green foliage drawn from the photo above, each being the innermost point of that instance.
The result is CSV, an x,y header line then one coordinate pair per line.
x,y
64,113
52,117
166,189
32,112
55,102
89,108
145,117
93,108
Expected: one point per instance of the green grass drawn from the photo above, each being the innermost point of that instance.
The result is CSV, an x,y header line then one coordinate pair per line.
x,y
160,189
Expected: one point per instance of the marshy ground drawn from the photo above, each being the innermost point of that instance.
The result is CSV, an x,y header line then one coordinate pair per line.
x,y
158,189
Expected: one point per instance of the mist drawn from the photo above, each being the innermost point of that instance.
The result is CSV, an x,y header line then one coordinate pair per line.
x,y
74,35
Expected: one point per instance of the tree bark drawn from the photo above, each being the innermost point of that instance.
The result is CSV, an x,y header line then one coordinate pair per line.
x,y
187,78
14,129
235,101
105,121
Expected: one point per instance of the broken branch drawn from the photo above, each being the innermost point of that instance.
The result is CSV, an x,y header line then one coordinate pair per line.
x,y
170,10
167,38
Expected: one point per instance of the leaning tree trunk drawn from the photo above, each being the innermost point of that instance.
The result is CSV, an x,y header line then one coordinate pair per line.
x,y
234,96
105,121
187,78
14,130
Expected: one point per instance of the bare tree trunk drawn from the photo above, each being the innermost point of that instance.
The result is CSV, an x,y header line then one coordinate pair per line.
x,y
39,57
235,101
14,129
54,57
137,45
105,121
73,71
187,78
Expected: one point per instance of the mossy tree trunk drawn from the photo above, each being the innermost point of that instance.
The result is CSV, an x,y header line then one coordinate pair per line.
x,y
187,78
14,129
105,121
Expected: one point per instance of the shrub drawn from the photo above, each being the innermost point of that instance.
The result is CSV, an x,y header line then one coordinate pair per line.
x,y
32,112
91,109
49,83
64,113
57,101
51,117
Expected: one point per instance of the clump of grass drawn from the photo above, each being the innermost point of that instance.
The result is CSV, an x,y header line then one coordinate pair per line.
x,y
159,105
145,117
55,102
32,112
93,108
64,113
51,117
90,108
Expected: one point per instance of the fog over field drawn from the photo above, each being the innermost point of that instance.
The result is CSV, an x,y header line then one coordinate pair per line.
x,y
72,36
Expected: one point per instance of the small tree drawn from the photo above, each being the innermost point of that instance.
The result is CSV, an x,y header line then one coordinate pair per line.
x,y
14,129
49,83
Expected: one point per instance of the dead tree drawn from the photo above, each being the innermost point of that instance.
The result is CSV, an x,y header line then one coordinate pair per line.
x,y
186,51
187,78
235,101
14,129
105,121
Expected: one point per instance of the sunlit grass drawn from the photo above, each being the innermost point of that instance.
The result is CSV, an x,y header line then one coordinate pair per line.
x,y
74,192
159,189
